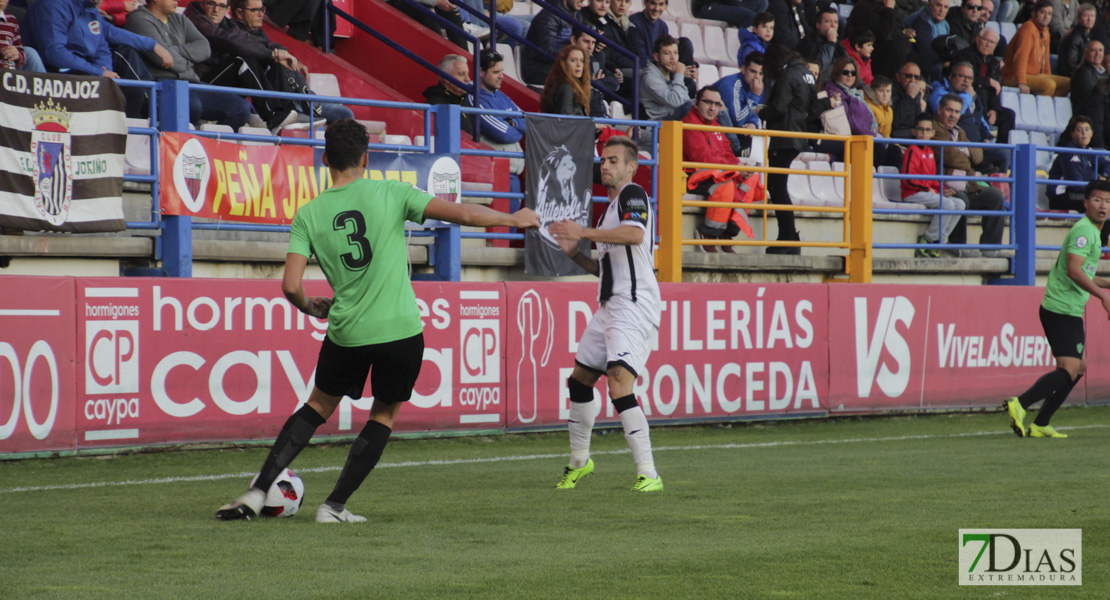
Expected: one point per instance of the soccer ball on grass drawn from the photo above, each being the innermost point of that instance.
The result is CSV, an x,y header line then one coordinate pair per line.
x,y
284,497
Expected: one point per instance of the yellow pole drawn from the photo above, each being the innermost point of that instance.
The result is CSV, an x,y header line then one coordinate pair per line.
x,y
859,163
672,186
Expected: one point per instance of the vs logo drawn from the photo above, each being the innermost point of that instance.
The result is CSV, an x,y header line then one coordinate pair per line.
x,y
112,357
870,366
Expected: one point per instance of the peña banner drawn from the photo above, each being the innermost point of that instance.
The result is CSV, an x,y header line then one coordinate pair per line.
x,y
214,179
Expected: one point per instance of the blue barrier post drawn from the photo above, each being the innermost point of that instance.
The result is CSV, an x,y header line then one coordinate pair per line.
x,y
448,236
176,250
1024,224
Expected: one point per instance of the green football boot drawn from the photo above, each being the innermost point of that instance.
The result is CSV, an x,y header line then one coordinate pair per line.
x,y
1045,432
571,476
647,484
1017,416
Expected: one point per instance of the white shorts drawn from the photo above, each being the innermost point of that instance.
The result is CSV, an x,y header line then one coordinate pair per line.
x,y
619,333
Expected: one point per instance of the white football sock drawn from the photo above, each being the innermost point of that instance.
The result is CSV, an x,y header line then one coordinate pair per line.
x,y
581,426
636,432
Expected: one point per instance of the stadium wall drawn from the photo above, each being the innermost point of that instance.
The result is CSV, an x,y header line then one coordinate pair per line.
x,y
88,364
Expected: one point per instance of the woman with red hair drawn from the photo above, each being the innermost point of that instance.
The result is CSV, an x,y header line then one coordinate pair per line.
x,y
567,89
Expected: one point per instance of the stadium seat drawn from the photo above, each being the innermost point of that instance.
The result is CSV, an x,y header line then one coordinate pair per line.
x,y
1044,157
707,75
521,8
838,182
418,140
216,128
248,130
1063,112
136,159
400,140
1007,10
727,70
373,127
797,186
1028,112
824,188
616,110
1008,31
844,9
1019,136
1012,101
635,7
758,152
892,188
716,47
678,9
506,51
672,26
1046,115
993,25
732,41
692,32
325,84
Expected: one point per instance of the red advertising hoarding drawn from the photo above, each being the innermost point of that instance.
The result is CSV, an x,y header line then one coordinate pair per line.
x,y
37,373
722,351
897,347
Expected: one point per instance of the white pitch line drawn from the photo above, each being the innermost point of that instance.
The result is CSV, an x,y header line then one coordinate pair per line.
x,y
496,459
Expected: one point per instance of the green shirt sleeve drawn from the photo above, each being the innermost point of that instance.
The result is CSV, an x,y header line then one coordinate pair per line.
x,y
298,236
415,202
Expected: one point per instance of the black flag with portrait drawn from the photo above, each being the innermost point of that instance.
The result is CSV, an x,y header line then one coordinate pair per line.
x,y
559,162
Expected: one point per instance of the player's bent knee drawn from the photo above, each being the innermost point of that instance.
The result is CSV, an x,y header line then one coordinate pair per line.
x,y
624,403
579,392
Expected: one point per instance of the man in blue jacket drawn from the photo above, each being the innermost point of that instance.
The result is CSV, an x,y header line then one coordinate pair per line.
x,y
741,93
71,36
500,133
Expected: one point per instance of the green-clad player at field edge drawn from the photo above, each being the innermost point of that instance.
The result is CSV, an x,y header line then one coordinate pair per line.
x,y
356,229
1070,283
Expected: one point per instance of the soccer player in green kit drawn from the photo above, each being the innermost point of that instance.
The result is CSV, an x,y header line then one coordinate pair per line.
x,y
1070,283
356,229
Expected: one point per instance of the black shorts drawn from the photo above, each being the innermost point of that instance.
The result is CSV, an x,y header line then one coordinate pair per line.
x,y
342,371
1065,333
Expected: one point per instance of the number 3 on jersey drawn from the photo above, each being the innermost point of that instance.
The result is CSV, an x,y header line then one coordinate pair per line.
x,y
361,254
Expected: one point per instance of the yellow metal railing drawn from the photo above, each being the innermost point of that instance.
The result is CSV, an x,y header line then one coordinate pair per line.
x,y
856,210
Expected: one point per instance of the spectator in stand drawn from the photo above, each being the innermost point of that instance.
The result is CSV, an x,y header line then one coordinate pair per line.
x,y
930,24
567,89
964,23
907,101
72,36
822,46
444,91
1076,167
1074,43
1089,96
756,39
976,195
445,9
859,46
550,32
973,120
984,18
599,78
595,15
1064,13
711,147
920,160
158,20
620,30
1026,65
845,84
116,11
792,105
878,96
793,19
500,133
663,90
12,53
741,93
649,26
737,13
892,37
987,68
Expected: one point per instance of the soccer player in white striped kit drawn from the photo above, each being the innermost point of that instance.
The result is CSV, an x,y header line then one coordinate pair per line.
x,y
618,339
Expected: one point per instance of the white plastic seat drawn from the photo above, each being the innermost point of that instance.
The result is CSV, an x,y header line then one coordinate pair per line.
x,y
716,47
418,140
758,152
1063,111
892,188
1008,31
521,8
136,159
732,41
248,130
679,9
1028,104
727,71
635,7
506,52
400,140
838,182
217,128
692,32
1019,136
1044,157
707,75
823,187
373,127
797,186
672,26
324,84
844,9
616,110
1046,115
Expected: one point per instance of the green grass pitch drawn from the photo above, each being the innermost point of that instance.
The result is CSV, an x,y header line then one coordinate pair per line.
x,y
851,508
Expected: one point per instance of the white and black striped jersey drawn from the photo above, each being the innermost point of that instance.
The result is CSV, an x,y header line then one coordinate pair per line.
x,y
629,271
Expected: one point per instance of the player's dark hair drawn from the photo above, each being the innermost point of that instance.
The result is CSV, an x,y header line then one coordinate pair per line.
x,y
631,150
345,142
1098,185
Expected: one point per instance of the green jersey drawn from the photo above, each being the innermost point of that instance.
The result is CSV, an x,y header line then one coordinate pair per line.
x,y
1062,295
357,233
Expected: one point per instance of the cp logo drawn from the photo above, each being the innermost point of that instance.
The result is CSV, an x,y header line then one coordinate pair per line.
x,y
112,357
481,351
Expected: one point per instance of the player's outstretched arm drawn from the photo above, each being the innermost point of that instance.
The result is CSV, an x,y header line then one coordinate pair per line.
x,y
476,215
293,288
568,243
623,235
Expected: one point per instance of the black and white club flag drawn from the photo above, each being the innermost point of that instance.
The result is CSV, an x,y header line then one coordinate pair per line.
x,y
559,162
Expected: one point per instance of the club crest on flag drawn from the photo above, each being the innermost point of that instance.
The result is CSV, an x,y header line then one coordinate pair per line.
x,y
191,172
52,161
445,180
